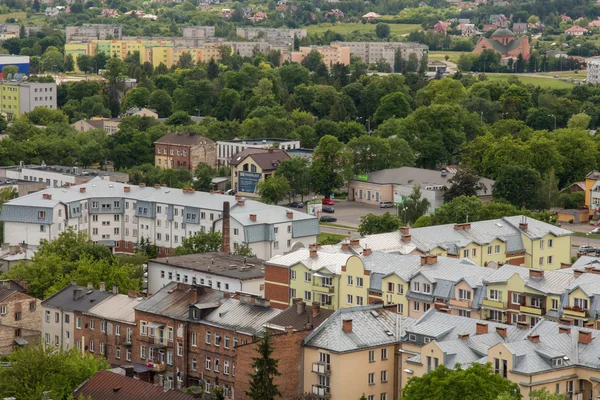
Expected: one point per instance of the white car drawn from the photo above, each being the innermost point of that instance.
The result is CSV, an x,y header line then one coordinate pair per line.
x,y
595,231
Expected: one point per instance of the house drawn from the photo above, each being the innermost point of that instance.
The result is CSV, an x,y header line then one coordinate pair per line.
x,y
109,13
468,30
11,255
140,112
221,271
396,183
595,23
109,125
592,180
519,28
336,13
565,18
577,187
184,151
442,26
370,16
497,18
252,165
20,316
258,16
151,17
228,148
504,42
51,11
577,31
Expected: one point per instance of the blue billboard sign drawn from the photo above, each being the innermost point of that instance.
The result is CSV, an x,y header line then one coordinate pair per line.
x,y
247,181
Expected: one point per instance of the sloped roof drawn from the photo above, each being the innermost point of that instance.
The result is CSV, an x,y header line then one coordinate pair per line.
x,y
240,316
291,318
183,140
267,159
64,298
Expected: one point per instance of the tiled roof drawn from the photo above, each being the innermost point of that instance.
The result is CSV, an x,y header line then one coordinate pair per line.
x,y
105,385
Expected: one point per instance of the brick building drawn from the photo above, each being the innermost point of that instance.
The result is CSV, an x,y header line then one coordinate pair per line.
x,y
181,151
107,328
20,316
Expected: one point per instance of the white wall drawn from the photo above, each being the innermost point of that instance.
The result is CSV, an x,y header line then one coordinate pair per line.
x,y
59,328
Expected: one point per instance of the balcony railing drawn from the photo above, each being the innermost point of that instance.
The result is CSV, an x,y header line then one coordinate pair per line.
x,y
321,368
575,311
321,391
531,310
323,289
494,303
160,341
461,303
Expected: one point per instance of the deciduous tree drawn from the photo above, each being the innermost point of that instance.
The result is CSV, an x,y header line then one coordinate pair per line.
x,y
371,224
273,189
201,242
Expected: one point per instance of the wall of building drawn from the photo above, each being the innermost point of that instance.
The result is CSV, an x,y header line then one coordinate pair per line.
x,y
27,325
62,329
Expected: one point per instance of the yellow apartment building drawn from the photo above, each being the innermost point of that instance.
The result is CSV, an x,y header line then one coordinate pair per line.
x,y
334,54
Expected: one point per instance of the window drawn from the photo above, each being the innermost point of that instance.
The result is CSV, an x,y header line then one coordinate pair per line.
x,y
384,376
170,333
390,287
359,282
170,357
359,301
549,260
557,362
416,306
143,352
307,295
128,355
466,253
217,364
416,286
307,277
464,294
118,353
92,324
464,313
236,232
384,354
91,348
495,295
554,305
235,341
541,261
426,288
293,275
226,342
179,349
489,250
581,303
293,293
400,289
497,249
101,347
207,337
371,356
516,298
217,340
550,243
371,378
570,386
207,363
350,280
42,214
2,310
473,252
275,244
194,339
143,328
56,317
226,367
78,323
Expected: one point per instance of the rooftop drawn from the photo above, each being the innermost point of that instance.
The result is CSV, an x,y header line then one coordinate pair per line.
x,y
61,169
258,141
241,316
76,298
267,159
182,139
298,317
217,263
116,308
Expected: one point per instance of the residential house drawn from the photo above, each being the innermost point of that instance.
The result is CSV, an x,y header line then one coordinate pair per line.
x,y
335,13
576,31
593,76
20,316
498,19
595,23
592,180
442,26
23,97
51,12
140,112
565,18
58,313
504,42
184,151
519,28
258,16
109,13
370,16
11,255
228,148
252,165
109,125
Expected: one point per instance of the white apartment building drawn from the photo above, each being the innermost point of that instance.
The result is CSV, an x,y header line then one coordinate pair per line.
x,y
226,149
593,70
58,176
270,34
119,216
88,32
372,52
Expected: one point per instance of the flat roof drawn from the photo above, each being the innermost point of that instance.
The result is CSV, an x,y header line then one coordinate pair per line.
x,y
258,141
228,265
61,169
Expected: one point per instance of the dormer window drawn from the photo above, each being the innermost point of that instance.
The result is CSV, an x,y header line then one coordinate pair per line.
x,y
557,362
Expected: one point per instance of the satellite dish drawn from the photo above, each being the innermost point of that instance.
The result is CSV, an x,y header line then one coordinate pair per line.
x,y
9,77
18,77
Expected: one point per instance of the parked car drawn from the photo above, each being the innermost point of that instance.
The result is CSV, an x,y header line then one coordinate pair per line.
x,y
327,218
327,202
585,249
597,251
596,231
328,209
386,204
296,204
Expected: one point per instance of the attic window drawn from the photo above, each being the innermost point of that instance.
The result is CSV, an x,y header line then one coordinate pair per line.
x,y
557,362
374,313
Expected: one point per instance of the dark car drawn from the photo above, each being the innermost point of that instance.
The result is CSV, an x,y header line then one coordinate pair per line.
x,y
327,218
328,209
296,204
327,202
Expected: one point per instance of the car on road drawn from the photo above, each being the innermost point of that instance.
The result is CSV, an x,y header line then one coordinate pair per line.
x,y
328,209
595,231
597,251
327,202
585,249
386,204
327,218
296,204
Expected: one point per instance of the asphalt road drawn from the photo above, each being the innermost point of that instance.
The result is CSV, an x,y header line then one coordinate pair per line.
x,y
348,213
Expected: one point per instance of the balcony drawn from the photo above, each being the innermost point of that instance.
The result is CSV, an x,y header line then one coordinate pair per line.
x,y
575,312
160,342
321,368
156,367
323,289
461,303
494,304
531,310
321,391
123,340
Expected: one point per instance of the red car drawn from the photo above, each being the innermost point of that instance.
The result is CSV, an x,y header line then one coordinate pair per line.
x,y
327,202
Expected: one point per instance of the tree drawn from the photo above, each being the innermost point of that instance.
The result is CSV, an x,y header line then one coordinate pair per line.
x,y
476,382
212,70
203,176
38,372
136,97
579,121
69,63
382,30
544,394
459,210
370,153
273,189
9,69
415,206
393,105
296,171
161,102
371,224
243,250
265,367
201,242
464,183
331,166
519,186
84,63
312,61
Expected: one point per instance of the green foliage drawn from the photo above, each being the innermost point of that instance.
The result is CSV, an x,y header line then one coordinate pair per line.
x,y
151,175
478,382
201,242
382,30
273,189
464,183
73,256
243,250
45,116
296,171
371,224
41,371
331,167
544,394
203,176
414,206
518,185
265,367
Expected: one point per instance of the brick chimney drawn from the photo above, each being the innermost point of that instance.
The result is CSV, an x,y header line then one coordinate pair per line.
x,y
501,330
312,252
523,226
127,189
115,289
47,196
462,227
289,214
481,328
347,325
564,329
431,259
406,238
585,337
463,336
405,230
565,265
142,185
226,234
90,285
345,245
316,310
354,242
534,338
366,252
193,299
82,189
241,201
156,186
300,307
253,217
536,273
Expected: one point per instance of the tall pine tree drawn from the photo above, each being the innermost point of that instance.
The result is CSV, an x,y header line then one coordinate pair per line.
x,y
261,382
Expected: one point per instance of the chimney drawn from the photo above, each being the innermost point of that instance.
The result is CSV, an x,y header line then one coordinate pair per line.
x,y
73,282
289,214
47,196
481,328
193,299
226,234
82,189
404,230
115,289
241,201
354,242
296,300
237,197
366,252
12,250
577,273
102,286
463,336
345,245
564,329
90,285
462,227
127,189
312,252
5,246
253,217
406,238
585,337
347,325
300,306
536,273
77,293
142,185
316,309
534,338
132,294
156,186
129,371
431,259
271,150
565,265
501,330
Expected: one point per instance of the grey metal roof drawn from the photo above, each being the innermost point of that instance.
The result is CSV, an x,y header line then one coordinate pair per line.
x,y
372,326
217,263
240,316
64,299
117,308
331,262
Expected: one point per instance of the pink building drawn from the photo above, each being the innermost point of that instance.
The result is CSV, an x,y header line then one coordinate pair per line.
x,y
331,54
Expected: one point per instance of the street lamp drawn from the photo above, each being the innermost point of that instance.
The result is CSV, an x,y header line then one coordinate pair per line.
x,y
553,116
588,236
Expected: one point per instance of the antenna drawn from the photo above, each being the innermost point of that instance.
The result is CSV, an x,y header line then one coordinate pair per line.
x,y
467,218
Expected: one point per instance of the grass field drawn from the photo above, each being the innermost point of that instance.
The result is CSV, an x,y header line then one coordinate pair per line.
x,y
330,238
578,75
19,15
344,29
543,82
441,55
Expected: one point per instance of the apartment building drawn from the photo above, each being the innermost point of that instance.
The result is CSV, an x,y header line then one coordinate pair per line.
x,y
19,97
270,34
58,313
20,316
58,176
107,328
252,165
88,32
198,32
331,55
593,70
220,271
372,52
228,148
119,216
515,240
182,151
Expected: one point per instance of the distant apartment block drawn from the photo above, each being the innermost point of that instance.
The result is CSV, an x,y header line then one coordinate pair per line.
x,y
372,52
228,148
334,54
270,34
88,32
59,176
199,32
19,97
593,70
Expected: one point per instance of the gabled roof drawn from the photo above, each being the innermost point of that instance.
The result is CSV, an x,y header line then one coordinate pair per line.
x,y
298,317
183,139
65,299
267,159
241,316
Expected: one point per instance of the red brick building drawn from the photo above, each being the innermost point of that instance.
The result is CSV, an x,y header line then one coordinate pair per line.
x,y
182,151
20,316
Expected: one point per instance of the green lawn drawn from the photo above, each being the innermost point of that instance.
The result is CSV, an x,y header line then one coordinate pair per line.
x,y
441,55
543,82
345,28
19,15
581,234
577,75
